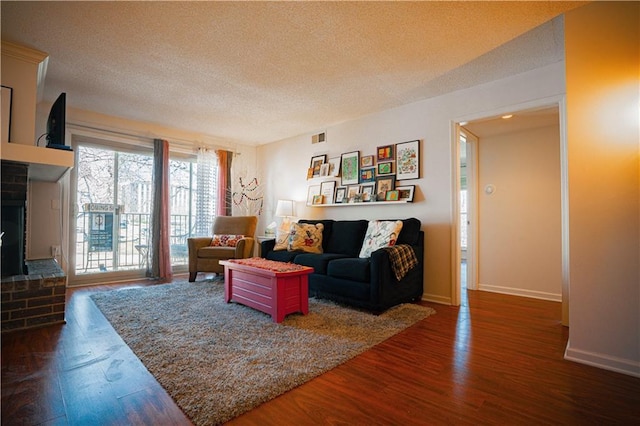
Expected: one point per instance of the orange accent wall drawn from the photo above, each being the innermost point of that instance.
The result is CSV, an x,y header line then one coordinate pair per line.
x,y
602,47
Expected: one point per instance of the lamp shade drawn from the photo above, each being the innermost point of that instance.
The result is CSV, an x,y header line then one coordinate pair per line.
x,y
284,208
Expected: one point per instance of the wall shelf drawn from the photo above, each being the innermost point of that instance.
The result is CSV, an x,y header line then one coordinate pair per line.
x,y
45,164
366,203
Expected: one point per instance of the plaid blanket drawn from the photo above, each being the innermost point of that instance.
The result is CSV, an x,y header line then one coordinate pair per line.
x,y
403,259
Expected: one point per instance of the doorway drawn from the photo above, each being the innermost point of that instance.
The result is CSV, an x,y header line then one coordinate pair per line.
x,y
113,205
471,256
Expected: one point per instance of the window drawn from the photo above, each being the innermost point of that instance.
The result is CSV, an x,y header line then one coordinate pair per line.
x,y
114,196
193,204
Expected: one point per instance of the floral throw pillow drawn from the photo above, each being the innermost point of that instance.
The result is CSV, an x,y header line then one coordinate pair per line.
x,y
306,237
225,240
380,233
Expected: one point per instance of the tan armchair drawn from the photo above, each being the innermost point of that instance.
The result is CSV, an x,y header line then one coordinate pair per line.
x,y
204,258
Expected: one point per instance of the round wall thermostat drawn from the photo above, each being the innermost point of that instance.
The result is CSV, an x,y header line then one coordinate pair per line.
x,y
489,189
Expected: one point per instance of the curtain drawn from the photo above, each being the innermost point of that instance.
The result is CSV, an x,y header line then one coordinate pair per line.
x,y
205,199
160,226
224,182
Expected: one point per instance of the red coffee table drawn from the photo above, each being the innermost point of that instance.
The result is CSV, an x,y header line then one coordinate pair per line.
x,y
275,288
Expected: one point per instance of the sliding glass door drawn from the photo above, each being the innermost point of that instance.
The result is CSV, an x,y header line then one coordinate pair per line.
x,y
113,203
113,206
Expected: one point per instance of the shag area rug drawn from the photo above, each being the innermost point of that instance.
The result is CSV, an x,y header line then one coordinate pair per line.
x,y
219,360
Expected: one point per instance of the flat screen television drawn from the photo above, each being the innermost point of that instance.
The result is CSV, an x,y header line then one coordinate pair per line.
x,y
56,124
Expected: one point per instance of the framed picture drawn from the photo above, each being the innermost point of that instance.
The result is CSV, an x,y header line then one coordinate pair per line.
x,y
316,163
324,169
405,192
350,162
384,184
352,191
312,191
327,190
408,160
368,175
309,173
392,195
341,194
334,166
367,191
385,153
385,168
366,161
317,199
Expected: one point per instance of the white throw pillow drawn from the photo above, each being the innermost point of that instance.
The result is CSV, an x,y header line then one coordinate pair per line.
x,y
282,239
380,233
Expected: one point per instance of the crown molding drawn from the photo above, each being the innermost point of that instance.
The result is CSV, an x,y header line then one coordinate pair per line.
x,y
32,56
23,53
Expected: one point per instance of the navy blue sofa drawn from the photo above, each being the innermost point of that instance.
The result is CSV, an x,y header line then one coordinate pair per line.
x,y
340,275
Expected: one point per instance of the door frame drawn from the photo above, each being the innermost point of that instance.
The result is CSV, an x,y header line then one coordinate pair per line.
x,y
557,101
472,208
80,136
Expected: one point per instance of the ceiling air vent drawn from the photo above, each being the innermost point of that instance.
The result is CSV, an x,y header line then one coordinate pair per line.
x,y
320,137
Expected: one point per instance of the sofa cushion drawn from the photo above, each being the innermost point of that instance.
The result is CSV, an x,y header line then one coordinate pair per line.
x,y
351,268
282,255
340,290
346,237
318,262
306,237
410,232
380,233
216,252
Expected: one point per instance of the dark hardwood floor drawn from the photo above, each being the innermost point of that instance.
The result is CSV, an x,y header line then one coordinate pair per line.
x,y
495,360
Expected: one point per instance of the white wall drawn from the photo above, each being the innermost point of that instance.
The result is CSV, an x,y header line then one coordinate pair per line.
x,y
284,164
520,222
603,97
20,67
44,219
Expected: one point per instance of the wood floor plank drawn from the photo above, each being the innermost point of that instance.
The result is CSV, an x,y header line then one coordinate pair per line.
x,y
89,399
497,359
152,406
33,399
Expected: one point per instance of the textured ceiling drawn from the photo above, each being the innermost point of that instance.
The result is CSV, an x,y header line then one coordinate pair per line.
x,y
520,121
256,72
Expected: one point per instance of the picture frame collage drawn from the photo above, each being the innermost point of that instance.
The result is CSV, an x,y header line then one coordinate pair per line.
x,y
365,178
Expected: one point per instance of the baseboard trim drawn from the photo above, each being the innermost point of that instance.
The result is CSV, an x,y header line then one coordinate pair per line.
x,y
521,292
606,362
436,299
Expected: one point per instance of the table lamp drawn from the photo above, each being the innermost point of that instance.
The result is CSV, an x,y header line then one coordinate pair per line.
x,y
284,209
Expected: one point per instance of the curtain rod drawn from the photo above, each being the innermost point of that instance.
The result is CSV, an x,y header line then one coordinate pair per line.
x,y
192,144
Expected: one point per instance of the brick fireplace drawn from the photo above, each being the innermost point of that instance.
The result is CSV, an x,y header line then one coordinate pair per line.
x,y
33,291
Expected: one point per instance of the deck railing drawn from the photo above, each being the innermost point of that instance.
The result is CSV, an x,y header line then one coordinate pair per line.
x,y
125,246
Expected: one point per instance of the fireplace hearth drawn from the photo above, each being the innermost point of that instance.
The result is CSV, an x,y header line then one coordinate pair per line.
x,y
33,291
35,299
